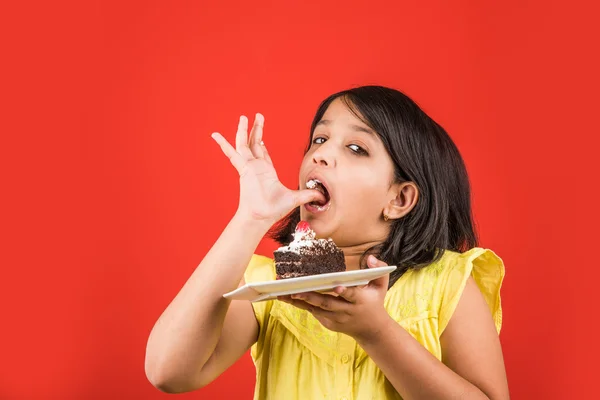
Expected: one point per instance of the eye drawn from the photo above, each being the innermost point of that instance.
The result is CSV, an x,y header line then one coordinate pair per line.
x,y
358,150
319,140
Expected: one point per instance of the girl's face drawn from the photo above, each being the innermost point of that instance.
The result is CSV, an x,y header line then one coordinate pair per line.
x,y
351,162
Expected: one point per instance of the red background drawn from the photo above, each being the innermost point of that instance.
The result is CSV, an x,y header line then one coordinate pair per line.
x,y
113,191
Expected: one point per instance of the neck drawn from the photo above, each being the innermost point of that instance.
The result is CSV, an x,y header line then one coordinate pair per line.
x,y
352,254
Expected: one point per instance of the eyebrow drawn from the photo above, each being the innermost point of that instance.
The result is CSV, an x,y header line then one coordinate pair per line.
x,y
356,128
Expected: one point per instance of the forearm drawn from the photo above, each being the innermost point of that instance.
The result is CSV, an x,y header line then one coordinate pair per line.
x,y
413,371
186,334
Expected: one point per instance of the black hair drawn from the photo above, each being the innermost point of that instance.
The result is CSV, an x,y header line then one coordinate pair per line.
x,y
422,153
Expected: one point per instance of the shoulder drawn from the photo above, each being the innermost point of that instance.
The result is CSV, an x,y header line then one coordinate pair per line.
x,y
481,270
471,308
435,290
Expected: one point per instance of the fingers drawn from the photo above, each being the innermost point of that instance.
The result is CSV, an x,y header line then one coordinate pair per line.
x,y
382,281
323,301
241,139
307,196
296,303
323,315
375,262
234,157
266,155
347,293
256,142
242,151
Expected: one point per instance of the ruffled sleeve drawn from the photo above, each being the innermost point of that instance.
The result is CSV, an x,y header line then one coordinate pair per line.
x,y
487,270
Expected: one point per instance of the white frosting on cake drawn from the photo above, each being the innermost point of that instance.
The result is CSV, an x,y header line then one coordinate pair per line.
x,y
301,236
302,239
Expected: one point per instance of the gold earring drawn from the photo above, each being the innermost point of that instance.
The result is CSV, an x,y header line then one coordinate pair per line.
x,y
385,217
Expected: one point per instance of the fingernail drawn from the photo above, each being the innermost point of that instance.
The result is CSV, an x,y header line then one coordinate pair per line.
x,y
372,260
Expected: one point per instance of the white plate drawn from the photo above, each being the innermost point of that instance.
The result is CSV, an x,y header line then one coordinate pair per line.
x,y
259,291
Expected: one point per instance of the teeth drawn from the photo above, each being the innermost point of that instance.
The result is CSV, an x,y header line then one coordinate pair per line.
x,y
318,185
323,208
312,183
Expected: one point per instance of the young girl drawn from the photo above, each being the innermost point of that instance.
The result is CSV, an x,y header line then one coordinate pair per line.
x,y
398,194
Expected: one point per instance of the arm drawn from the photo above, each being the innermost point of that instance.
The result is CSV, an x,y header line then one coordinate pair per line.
x,y
473,365
201,334
473,369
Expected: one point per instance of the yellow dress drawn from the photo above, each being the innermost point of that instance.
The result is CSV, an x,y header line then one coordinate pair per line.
x,y
296,358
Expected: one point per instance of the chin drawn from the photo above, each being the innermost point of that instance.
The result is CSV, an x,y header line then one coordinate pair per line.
x,y
323,229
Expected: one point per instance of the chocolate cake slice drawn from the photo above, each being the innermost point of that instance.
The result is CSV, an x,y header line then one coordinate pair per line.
x,y
306,255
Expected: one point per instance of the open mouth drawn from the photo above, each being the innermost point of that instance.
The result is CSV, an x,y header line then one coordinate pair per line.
x,y
317,185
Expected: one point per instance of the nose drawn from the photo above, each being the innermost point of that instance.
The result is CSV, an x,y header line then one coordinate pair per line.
x,y
324,156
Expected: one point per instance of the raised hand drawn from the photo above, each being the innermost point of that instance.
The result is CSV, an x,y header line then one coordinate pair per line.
x,y
262,196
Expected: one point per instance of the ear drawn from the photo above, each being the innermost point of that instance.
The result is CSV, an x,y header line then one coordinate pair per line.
x,y
405,197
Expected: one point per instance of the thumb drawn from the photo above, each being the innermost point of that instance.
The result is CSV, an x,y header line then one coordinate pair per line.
x,y
382,281
307,196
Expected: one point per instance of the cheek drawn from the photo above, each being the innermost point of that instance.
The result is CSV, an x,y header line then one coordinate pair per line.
x,y
304,165
366,190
